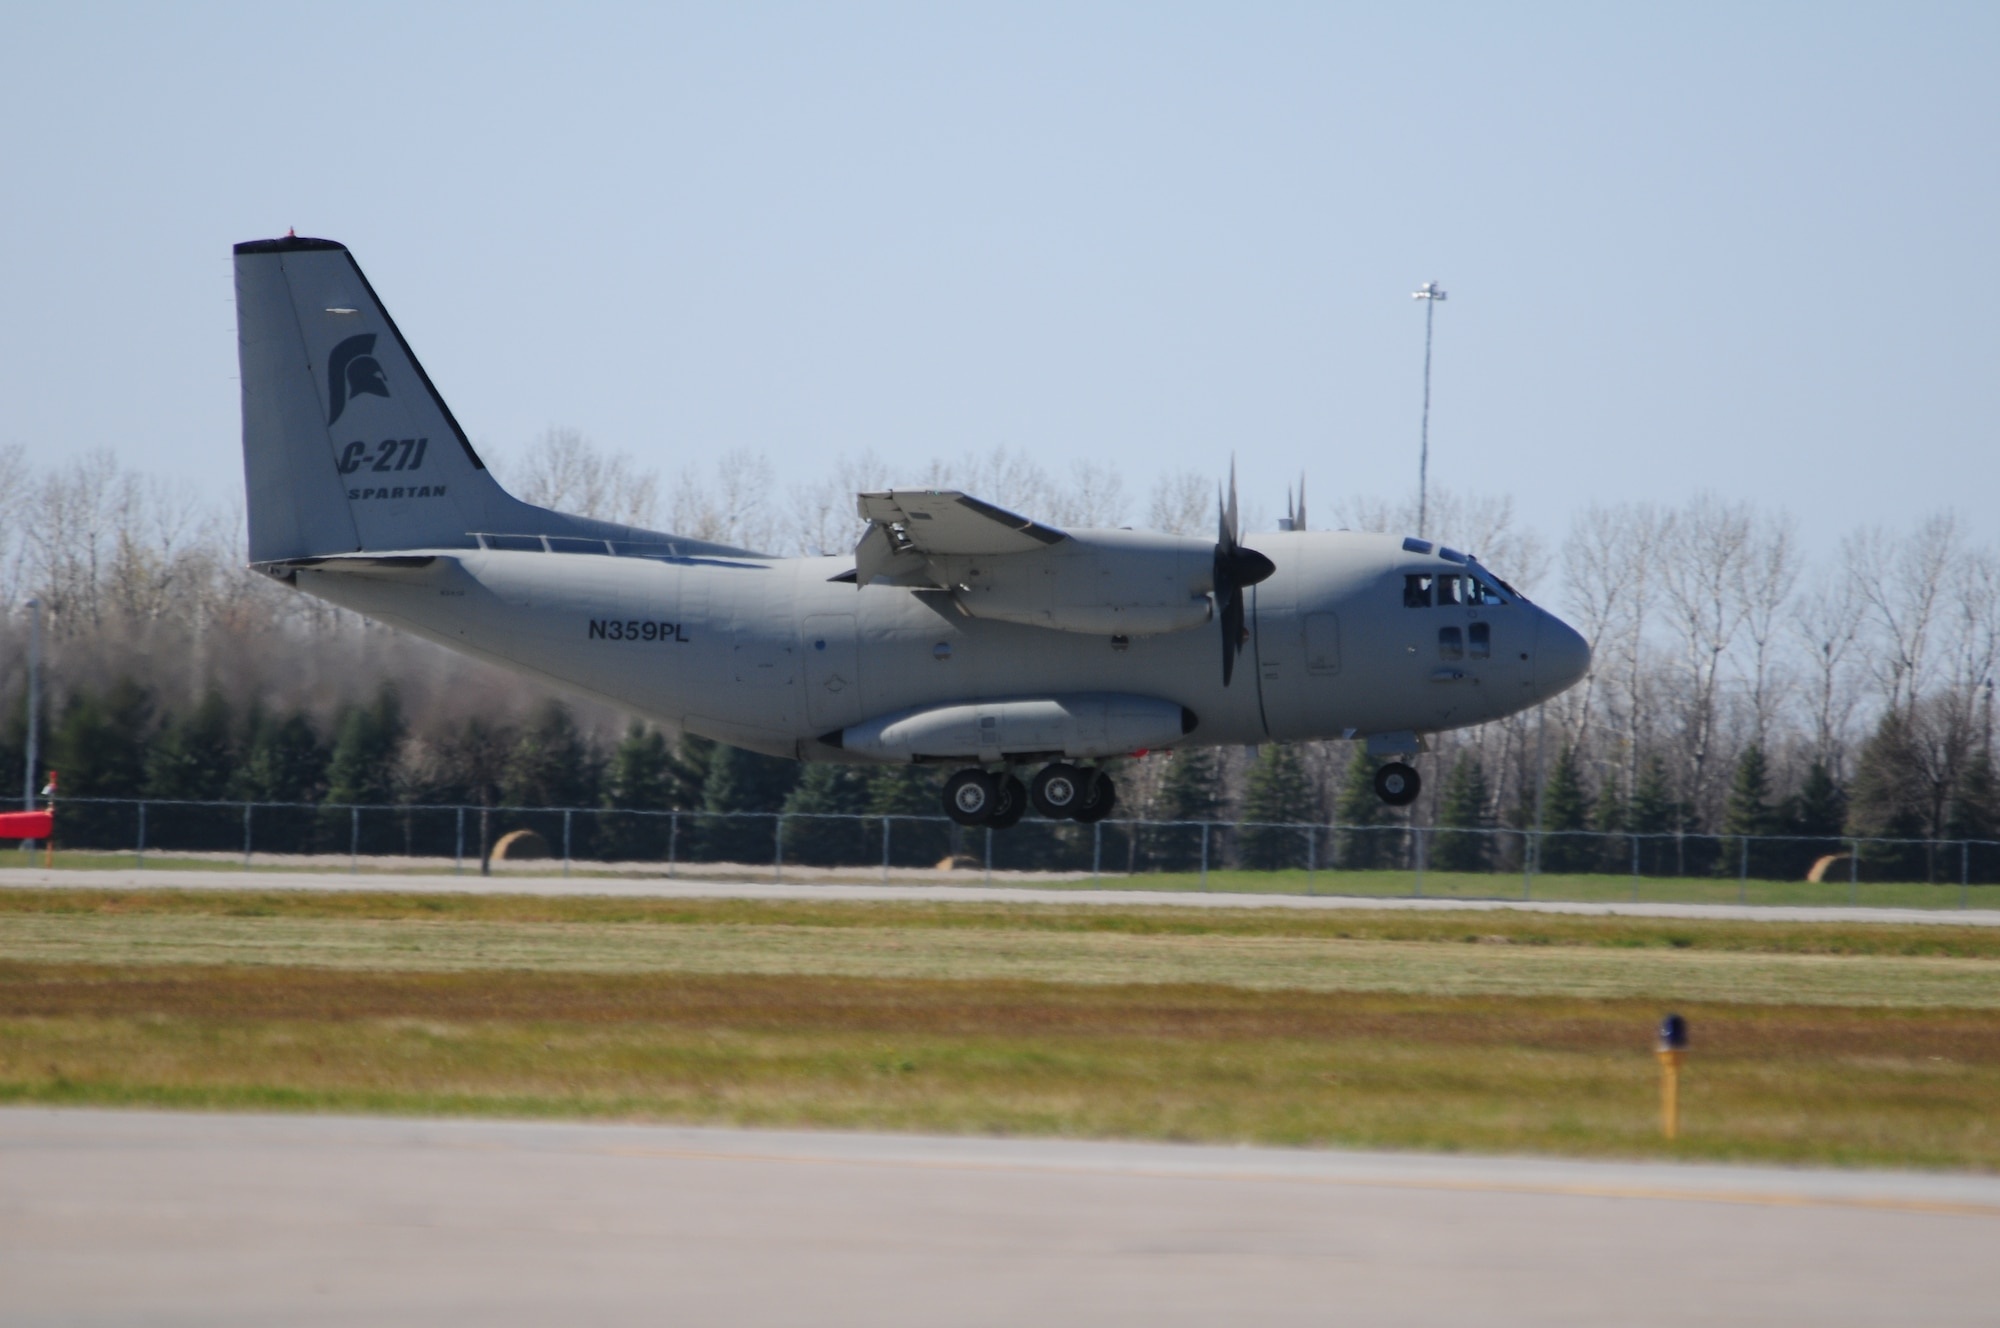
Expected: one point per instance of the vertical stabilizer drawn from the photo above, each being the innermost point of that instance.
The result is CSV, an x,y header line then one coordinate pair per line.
x,y
346,445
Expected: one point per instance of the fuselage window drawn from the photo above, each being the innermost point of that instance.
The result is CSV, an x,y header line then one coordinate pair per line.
x,y
1451,643
1417,590
1482,640
1449,592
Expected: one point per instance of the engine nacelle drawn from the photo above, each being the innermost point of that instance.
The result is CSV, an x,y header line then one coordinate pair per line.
x,y
1082,725
1108,582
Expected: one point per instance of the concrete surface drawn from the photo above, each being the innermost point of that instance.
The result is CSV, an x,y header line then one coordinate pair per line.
x,y
157,1218
686,888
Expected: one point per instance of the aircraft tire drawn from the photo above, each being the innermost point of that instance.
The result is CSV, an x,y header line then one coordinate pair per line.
x,y
1098,801
1058,790
1398,784
1012,802
970,797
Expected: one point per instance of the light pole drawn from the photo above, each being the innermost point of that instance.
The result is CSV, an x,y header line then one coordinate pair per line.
x,y
34,607
1430,293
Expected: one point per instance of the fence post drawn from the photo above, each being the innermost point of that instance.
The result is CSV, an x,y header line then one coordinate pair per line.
x,y
673,840
1853,871
1096,852
1964,871
1417,852
1204,855
1528,851
989,855
567,813
885,848
142,832
1312,855
1743,872
1635,869
353,840
778,847
246,835
458,853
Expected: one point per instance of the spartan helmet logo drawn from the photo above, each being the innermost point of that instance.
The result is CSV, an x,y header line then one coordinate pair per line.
x,y
352,370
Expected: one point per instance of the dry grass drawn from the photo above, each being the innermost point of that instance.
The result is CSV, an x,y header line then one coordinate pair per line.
x,y
1912,1087
1851,1043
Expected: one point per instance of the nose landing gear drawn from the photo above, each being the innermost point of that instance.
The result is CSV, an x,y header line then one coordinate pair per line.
x,y
1397,784
1061,792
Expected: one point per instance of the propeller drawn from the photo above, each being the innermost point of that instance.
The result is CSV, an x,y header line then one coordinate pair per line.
x,y
1236,570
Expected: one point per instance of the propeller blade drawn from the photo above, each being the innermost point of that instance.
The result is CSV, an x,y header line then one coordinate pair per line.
x,y
1235,569
1299,517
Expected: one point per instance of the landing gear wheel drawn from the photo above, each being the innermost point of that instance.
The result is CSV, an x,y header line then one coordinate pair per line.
x,y
1098,800
1010,802
970,797
1058,790
1397,784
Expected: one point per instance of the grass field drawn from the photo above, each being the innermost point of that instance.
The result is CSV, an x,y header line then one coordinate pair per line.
x,y
1859,1043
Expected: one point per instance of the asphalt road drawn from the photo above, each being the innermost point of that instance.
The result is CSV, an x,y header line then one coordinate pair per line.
x,y
156,1218
684,888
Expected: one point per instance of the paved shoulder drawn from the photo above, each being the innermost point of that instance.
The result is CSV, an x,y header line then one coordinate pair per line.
x,y
158,1217
685,888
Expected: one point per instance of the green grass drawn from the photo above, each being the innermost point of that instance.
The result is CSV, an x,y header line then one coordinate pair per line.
x,y
1859,1043
1906,1087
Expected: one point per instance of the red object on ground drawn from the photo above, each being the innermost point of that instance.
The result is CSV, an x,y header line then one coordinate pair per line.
x,y
27,825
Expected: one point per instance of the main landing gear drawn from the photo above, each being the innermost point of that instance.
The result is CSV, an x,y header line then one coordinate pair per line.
x,y
1061,792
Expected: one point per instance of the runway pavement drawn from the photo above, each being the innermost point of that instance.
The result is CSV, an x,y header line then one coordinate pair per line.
x,y
129,1217
685,888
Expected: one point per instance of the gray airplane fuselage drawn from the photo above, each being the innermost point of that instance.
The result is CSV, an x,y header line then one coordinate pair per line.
x,y
774,654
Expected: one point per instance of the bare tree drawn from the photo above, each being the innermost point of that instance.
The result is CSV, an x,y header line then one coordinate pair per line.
x,y
1181,504
1765,580
564,470
1826,620
1900,581
1702,573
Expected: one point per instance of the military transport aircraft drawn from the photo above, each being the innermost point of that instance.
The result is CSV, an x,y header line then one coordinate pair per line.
x,y
956,633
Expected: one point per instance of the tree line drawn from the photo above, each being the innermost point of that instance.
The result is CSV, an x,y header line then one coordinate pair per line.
x,y
1739,689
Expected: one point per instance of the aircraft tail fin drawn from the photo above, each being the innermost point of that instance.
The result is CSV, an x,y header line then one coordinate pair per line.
x,y
347,447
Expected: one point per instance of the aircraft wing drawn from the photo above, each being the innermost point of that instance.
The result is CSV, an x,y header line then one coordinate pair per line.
x,y
942,521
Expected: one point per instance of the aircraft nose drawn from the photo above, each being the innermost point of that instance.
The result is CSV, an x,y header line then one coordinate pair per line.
x,y
1562,656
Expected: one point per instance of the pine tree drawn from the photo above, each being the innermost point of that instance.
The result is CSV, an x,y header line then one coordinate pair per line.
x,y
193,756
1654,815
362,767
1359,806
1748,815
1975,815
687,773
99,749
1276,797
1191,791
1614,850
739,781
1465,806
1884,803
553,763
192,759
1565,812
639,780
283,760
828,791
362,773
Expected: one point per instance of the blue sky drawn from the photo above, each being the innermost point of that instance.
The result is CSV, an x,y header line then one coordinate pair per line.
x,y
1743,248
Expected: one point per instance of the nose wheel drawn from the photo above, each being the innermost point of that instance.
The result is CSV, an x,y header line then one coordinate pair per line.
x,y
1397,784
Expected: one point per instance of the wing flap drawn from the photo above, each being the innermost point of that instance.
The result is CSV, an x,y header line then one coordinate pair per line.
x,y
945,522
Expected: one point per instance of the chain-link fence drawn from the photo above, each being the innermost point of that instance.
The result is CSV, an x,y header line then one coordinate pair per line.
x,y
1383,860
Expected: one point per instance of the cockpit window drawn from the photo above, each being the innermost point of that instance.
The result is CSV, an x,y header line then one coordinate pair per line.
x,y
1478,592
1451,590
1451,643
1417,590
1482,640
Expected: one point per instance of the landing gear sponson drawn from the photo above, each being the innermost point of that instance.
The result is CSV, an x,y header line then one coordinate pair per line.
x,y
1061,792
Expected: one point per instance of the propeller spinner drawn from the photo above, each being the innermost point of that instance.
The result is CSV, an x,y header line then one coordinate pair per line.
x,y
1236,569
